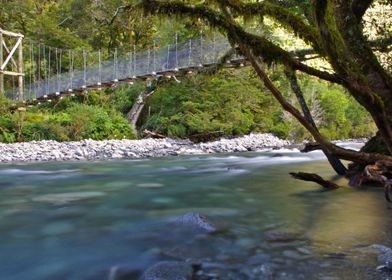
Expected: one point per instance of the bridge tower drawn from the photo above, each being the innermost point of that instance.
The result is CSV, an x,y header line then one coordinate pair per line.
x,y
7,54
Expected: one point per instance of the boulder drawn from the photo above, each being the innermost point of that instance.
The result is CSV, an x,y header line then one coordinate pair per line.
x,y
386,255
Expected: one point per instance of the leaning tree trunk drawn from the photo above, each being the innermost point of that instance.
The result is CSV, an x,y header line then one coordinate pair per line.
x,y
137,107
334,161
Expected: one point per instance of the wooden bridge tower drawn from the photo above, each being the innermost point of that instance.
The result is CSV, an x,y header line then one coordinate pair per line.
x,y
7,55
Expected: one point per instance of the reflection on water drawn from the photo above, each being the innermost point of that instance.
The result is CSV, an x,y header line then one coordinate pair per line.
x,y
79,220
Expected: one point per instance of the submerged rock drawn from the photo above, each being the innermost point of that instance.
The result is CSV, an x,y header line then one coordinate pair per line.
x,y
195,222
280,236
123,273
169,270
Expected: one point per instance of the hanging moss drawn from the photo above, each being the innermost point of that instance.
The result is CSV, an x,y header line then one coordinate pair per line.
x,y
260,45
284,16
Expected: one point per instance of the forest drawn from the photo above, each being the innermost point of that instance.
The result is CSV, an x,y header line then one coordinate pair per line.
x,y
206,106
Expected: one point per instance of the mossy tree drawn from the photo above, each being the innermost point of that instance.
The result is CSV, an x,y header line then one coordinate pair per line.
x,y
335,32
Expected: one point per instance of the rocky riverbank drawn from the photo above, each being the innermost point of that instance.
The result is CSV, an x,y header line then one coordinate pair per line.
x,y
42,151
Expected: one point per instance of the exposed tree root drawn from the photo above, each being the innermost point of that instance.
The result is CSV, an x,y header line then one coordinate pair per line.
x,y
310,147
328,185
380,172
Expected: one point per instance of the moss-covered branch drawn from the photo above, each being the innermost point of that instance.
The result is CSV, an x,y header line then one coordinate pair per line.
x,y
285,17
260,45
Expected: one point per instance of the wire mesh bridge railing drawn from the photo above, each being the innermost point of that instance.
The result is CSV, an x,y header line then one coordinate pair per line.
x,y
54,79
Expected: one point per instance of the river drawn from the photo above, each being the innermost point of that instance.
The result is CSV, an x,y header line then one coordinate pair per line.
x,y
79,220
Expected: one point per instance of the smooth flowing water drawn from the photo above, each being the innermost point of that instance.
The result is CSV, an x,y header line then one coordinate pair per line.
x,y
81,220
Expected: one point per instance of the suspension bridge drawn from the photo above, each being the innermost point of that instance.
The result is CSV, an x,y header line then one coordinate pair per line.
x,y
55,72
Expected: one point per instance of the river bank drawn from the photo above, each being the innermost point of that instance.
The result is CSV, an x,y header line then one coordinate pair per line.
x,y
43,151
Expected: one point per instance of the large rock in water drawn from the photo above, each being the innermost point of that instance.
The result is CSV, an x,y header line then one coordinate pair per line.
x,y
386,255
195,222
168,270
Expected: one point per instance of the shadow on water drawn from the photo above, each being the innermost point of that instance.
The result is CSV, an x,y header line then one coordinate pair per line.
x,y
79,220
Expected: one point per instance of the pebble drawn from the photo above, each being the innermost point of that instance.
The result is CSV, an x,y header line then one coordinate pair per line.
x,y
49,150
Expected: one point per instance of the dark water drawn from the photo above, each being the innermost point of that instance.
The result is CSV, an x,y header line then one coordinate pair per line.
x,y
80,220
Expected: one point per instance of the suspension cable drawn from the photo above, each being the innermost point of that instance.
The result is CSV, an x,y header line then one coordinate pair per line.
x,y
201,50
99,68
60,66
214,57
57,71
84,69
176,36
168,56
31,68
71,64
130,64
45,71
39,70
148,60
190,52
134,61
49,73
154,58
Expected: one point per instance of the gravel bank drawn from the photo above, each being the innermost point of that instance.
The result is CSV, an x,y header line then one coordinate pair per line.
x,y
41,151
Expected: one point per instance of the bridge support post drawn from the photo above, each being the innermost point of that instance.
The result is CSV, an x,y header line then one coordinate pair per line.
x,y
1,63
20,72
17,46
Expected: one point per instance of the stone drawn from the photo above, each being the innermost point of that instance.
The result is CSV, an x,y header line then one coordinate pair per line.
x,y
124,273
280,236
169,270
195,222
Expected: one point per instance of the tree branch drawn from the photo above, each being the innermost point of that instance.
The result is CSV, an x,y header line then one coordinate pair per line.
x,y
254,47
260,46
282,15
360,7
311,177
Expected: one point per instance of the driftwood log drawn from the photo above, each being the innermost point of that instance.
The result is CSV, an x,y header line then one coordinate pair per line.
x,y
151,134
328,185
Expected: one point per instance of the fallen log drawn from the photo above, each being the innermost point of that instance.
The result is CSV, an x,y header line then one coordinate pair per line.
x,y
311,177
151,134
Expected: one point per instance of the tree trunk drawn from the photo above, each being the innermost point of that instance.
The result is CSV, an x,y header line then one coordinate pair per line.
x,y
351,56
137,107
336,164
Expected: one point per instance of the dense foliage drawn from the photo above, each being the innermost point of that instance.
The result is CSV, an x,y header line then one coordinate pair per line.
x,y
78,121
201,107
235,102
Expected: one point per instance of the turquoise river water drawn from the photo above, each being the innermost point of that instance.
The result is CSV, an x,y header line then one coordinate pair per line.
x,y
79,220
